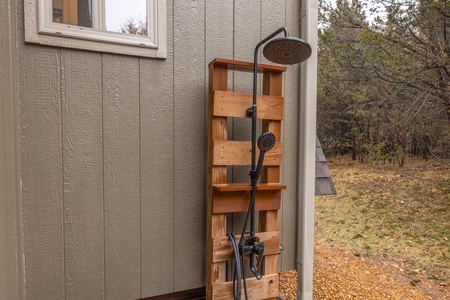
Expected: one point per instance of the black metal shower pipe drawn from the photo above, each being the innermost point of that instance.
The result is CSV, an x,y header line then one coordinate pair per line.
x,y
253,172
252,111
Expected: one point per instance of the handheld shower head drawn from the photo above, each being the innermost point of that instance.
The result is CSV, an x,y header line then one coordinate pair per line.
x,y
287,50
266,141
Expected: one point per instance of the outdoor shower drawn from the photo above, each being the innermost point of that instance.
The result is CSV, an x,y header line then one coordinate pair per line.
x,y
286,50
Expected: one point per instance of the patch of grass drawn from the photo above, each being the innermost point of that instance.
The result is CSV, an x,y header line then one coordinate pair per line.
x,y
435,277
402,213
414,282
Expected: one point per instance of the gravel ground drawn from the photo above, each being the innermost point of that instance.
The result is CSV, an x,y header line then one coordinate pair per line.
x,y
339,274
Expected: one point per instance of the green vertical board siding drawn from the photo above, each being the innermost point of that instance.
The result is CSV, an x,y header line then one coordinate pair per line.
x,y
82,174
121,159
10,237
41,172
157,171
189,141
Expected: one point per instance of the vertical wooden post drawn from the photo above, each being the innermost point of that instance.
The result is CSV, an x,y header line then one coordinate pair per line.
x,y
272,85
216,223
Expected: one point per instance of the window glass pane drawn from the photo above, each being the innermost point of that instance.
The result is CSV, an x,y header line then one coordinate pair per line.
x,y
126,16
73,12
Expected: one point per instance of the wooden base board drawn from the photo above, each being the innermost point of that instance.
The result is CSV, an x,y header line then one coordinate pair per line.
x,y
266,288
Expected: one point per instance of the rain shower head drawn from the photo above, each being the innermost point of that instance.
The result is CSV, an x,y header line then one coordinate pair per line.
x,y
266,141
287,51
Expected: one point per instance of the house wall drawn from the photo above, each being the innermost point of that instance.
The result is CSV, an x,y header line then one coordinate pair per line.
x,y
11,279
104,160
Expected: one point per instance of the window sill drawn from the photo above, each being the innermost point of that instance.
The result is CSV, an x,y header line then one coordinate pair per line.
x,y
32,35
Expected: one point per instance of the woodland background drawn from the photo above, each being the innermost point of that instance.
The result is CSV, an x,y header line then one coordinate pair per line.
x,y
384,79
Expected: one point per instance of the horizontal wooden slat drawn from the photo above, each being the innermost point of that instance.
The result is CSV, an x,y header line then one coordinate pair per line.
x,y
245,66
230,104
223,251
239,153
239,187
238,201
265,288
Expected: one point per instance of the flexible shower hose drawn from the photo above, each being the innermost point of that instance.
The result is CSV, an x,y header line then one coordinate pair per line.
x,y
237,268
265,142
239,273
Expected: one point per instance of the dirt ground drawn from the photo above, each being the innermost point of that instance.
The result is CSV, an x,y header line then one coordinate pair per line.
x,y
340,274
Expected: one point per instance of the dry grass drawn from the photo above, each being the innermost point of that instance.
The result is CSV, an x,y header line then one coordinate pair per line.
x,y
398,214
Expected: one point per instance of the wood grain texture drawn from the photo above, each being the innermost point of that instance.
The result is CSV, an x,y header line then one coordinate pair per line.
x,y
82,174
238,153
219,29
11,263
273,14
226,202
235,105
121,177
41,172
265,288
247,34
247,31
272,85
223,250
157,171
238,187
215,223
230,152
157,195
247,66
189,141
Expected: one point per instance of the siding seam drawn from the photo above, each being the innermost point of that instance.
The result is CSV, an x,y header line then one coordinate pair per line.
x,y
62,171
103,174
140,178
173,141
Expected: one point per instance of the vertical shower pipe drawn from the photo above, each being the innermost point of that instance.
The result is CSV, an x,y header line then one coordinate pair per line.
x,y
307,147
253,113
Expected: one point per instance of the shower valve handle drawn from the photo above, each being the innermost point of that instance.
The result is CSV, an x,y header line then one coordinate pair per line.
x,y
258,249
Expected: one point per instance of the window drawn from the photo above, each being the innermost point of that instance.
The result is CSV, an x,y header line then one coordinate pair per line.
x,y
134,27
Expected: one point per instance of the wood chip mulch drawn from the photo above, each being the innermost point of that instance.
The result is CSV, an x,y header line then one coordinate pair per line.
x,y
339,274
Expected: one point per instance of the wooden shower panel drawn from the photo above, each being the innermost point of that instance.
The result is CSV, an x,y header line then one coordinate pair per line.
x,y
224,197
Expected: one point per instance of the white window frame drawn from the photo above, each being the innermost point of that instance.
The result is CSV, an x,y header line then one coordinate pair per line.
x,y
40,28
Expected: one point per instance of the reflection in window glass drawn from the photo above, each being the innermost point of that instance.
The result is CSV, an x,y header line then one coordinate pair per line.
x,y
73,12
126,16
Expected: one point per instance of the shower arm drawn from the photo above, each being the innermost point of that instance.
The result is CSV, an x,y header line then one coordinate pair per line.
x,y
252,111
